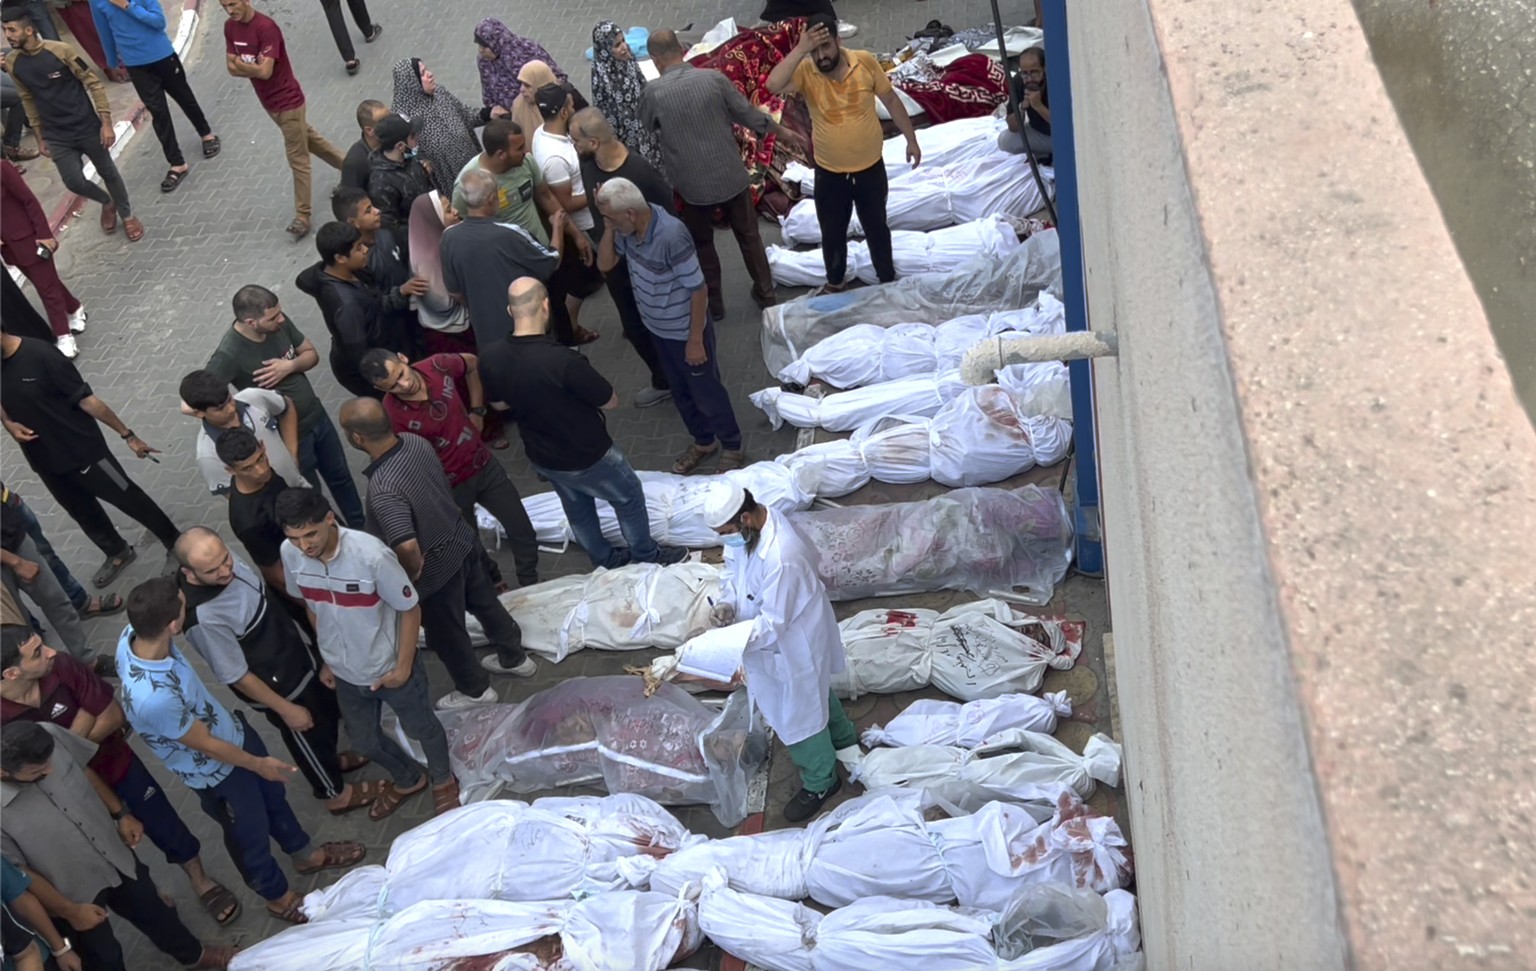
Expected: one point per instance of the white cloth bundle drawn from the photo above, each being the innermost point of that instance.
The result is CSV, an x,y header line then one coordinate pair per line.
x,y
634,607
675,504
606,932
911,252
934,196
980,286
866,354
914,397
933,721
913,935
1015,765
503,849
968,539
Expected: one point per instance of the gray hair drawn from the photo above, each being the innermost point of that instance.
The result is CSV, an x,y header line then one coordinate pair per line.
x,y
479,189
621,195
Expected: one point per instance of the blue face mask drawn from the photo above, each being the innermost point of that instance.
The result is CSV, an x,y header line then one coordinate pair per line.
x,y
736,540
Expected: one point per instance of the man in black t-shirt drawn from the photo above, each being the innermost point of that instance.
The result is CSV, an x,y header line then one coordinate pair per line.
x,y
53,414
557,400
604,157
1030,91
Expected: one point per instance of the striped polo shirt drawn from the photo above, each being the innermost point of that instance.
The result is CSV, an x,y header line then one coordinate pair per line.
x,y
409,498
357,597
665,273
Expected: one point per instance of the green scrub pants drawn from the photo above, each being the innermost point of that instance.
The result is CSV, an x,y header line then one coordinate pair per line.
x,y
816,757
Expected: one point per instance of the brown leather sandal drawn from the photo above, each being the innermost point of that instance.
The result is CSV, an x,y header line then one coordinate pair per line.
x,y
730,461
392,797
363,794
336,855
290,913
216,957
445,798
690,459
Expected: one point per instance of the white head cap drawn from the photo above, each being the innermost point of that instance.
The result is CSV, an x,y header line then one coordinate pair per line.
x,y
722,502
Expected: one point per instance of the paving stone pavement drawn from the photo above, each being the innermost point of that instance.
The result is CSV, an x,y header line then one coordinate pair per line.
x,y
158,308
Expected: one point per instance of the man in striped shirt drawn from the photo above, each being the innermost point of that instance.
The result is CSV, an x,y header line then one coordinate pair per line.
x,y
673,300
367,614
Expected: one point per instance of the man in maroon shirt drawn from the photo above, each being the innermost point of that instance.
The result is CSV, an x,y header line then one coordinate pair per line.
x,y
440,399
253,48
42,685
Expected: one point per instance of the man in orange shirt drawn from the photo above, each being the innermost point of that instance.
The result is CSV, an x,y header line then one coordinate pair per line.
x,y
840,87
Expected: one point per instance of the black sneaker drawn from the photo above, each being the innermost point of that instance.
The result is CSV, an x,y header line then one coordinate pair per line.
x,y
806,804
668,555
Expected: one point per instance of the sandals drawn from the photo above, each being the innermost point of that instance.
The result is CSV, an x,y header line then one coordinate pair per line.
x,y
353,65
172,180
584,336
445,798
109,219
730,461
292,913
351,761
102,606
298,229
337,855
690,459
211,146
133,229
363,794
218,900
114,565
216,957
391,798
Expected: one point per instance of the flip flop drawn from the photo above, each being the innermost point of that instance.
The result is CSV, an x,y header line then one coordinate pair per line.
x,y
106,605
113,566
172,180
218,900
211,147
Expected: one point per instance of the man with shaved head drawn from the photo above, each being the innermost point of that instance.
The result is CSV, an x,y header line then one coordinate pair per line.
x,y
259,653
557,400
410,507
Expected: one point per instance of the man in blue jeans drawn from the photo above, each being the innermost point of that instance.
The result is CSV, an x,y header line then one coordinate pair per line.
x,y
86,605
216,754
263,349
557,400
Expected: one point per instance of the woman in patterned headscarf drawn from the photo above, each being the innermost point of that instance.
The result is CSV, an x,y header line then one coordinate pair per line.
x,y
616,86
447,138
502,56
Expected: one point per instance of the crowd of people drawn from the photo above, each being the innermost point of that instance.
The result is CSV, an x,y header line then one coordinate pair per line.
x,y
451,278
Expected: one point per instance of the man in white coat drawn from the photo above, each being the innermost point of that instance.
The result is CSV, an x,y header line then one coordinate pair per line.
x,y
794,647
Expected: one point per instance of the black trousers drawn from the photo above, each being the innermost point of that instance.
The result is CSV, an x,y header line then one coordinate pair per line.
x,y
314,749
442,618
136,900
80,493
338,24
167,77
838,196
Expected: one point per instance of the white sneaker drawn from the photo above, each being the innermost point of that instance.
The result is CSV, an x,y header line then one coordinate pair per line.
x,y
650,397
458,700
527,669
845,29
67,347
77,321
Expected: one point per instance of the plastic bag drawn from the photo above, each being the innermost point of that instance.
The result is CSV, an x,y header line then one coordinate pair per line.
x,y
1114,947
981,286
968,539
930,721
936,250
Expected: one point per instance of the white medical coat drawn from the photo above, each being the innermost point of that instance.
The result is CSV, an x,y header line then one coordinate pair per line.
x,y
794,646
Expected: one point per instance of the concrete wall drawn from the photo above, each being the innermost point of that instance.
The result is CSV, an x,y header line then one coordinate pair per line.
x,y
1317,506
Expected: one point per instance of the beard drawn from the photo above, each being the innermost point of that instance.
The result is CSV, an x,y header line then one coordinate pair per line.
x,y
827,67
751,536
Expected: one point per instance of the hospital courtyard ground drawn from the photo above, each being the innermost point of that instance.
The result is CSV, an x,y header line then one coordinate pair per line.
x,y
158,308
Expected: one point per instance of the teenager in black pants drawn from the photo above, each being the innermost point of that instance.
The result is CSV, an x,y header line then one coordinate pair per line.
x,y
56,418
258,652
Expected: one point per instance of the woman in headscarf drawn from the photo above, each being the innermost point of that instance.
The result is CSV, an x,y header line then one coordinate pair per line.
x,y
533,76
447,138
502,57
616,86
